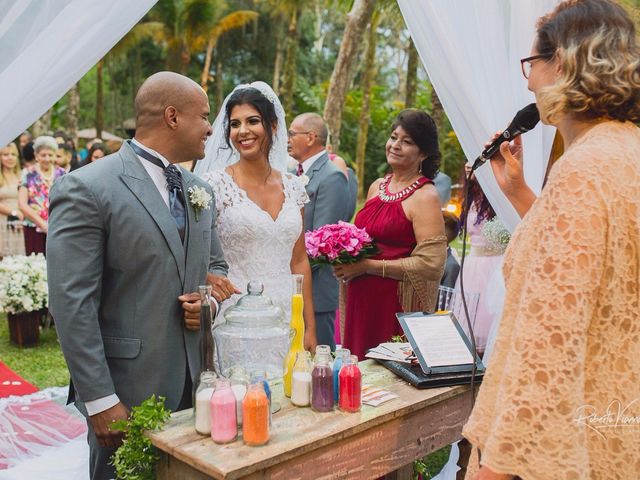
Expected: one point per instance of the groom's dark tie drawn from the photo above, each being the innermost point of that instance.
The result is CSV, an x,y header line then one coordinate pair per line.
x,y
174,181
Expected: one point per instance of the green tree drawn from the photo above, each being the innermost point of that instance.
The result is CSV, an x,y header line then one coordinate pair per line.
x,y
357,22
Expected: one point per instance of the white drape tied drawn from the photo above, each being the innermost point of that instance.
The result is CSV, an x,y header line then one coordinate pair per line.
x,y
46,46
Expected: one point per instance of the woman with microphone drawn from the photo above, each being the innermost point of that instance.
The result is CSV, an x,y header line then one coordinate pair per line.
x,y
561,397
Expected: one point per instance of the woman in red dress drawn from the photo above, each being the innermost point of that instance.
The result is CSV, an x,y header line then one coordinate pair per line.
x,y
403,215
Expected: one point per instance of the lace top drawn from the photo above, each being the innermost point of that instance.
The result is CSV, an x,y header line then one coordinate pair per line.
x,y
256,246
568,346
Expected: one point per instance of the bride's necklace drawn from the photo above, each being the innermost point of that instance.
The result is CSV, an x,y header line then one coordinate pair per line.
x,y
386,196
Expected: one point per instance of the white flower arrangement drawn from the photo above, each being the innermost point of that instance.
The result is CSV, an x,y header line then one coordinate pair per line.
x,y
304,179
23,283
496,235
200,200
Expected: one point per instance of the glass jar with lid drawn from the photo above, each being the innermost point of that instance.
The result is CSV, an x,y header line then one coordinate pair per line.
x,y
255,335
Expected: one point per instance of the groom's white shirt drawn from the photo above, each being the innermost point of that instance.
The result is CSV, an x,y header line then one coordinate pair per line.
x,y
157,175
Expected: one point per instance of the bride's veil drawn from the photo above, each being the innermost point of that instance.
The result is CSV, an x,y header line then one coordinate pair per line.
x,y
218,155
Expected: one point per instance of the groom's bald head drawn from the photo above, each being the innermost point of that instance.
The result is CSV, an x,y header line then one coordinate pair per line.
x,y
172,116
160,91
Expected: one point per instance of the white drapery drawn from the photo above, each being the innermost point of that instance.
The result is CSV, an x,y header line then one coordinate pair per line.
x,y
471,50
46,46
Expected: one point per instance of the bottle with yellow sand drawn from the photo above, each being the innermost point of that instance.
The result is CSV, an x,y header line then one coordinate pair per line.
x,y
297,329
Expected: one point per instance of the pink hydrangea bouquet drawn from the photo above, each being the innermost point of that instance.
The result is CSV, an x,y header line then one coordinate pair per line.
x,y
338,243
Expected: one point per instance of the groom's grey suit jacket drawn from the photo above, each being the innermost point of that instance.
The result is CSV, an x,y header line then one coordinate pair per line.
x,y
116,267
329,202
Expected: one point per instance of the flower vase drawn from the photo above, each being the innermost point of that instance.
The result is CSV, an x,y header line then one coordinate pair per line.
x,y
24,328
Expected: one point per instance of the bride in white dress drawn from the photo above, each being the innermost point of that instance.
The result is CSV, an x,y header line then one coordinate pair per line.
x,y
259,206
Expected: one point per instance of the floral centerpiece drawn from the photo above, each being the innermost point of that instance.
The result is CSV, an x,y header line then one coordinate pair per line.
x,y
24,295
338,243
496,235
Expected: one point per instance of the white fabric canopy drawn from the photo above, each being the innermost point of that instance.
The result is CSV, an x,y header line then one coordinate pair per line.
x,y
471,50
46,46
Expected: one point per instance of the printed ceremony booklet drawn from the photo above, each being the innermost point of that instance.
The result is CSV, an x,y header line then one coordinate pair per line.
x,y
439,342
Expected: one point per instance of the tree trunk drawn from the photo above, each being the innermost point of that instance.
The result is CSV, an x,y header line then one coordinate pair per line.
x,y
412,75
437,110
437,113
369,76
99,100
204,76
289,81
277,67
42,126
73,107
219,82
357,21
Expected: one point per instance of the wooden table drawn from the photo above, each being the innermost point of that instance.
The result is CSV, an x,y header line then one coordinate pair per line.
x,y
308,445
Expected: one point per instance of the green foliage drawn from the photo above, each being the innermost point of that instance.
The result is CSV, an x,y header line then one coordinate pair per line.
x,y
42,365
430,465
136,457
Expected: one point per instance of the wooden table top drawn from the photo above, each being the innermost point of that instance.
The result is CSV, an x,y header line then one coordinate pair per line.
x,y
295,431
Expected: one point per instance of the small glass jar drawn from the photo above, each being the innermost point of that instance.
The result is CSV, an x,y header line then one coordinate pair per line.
x,y
255,415
239,382
224,426
322,380
201,406
301,380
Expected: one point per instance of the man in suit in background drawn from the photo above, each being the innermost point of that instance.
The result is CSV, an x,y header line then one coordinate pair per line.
x,y
329,202
125,258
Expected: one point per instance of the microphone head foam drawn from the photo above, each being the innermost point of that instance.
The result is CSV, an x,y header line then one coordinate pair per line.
x,y
527,118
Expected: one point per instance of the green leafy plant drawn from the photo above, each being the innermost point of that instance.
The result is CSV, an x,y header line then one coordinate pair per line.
x,y
136,457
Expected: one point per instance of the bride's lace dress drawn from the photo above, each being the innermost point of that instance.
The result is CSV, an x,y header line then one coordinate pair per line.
x,y
256,246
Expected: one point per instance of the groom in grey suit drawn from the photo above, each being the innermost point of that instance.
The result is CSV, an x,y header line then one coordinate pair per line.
x,y
329,202
126,251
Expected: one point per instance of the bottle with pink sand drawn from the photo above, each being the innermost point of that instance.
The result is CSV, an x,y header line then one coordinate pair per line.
x,y
224,427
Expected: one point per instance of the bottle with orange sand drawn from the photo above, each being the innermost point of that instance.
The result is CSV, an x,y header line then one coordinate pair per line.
x,y
297,328
255,416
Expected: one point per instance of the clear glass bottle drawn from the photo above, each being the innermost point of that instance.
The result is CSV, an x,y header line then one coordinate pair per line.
x,y
202,408
297,330
207,347
224,426
301,380
341,354
239,383
322,380
350,385
255,415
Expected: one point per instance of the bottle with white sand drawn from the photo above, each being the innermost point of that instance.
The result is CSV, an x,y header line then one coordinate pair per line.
x,y
202,407
301,380
239,381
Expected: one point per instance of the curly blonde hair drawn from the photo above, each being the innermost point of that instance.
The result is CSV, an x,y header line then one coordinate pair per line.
x,y
595,44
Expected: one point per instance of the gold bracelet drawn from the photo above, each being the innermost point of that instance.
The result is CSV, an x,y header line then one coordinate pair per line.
x,y
383,267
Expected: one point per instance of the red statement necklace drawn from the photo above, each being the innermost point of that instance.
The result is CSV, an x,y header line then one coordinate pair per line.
x,y
386,196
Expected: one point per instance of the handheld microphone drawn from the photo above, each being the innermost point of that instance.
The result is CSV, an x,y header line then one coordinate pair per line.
x,y
525,120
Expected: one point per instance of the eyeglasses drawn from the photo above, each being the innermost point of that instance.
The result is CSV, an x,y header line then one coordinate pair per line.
x,y
291,133
526,63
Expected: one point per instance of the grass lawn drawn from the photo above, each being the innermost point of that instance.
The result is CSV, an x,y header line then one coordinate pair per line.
x,y
42,365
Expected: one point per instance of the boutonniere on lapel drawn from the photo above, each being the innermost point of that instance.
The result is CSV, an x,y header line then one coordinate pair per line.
x,y
304,179
200,200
